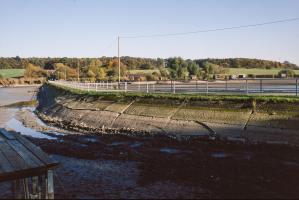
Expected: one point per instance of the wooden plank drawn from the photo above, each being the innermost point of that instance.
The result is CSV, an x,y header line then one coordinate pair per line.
x,y
5,166
6,134
26,173
2,139
37,151
27,156
19,158
13,157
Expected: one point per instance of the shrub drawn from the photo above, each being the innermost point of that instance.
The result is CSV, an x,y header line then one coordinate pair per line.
x,y
287,72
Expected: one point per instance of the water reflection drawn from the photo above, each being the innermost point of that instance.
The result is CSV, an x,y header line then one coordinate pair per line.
x,y
19,127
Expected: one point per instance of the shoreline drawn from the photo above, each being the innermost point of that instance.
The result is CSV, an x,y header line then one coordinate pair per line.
x,y
244,121
21,85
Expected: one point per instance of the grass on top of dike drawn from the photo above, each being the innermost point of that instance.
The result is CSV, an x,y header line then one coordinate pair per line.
x,y
120,96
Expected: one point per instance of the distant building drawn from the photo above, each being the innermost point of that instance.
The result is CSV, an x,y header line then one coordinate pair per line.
x,y
242,76
219,76
233,77
283,75
136,77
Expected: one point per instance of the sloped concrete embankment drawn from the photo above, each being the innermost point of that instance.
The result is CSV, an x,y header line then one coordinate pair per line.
x,y
231,120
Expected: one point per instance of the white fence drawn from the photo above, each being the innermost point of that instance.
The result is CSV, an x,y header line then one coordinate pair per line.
x,y
244,86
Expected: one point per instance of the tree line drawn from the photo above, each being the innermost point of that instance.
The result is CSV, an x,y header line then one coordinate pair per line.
x,y
107,67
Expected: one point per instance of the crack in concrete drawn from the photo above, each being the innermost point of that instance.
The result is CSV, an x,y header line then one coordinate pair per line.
x,y
249,118
178,108
211,131
244,134
120,113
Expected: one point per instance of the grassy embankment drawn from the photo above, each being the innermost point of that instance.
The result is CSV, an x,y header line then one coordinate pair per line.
x,y
255,71
122,96
11,73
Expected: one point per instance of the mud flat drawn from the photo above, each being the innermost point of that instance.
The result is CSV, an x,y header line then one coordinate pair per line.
x,y
243,120
17,94
113,159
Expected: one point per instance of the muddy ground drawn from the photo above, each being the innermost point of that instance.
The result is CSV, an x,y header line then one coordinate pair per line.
x,y
147,168
118,166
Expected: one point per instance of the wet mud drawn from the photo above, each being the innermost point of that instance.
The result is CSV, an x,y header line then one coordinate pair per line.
x,y
212,169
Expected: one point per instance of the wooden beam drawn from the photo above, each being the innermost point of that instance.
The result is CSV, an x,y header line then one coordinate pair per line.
x,y
27,156
50,185
37,151
7,134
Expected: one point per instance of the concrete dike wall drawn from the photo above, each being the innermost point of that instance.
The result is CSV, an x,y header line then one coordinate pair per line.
x,y
235,119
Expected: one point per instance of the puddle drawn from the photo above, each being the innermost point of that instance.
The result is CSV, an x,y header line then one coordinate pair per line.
x,y
219,155
136,145
91,139
242,156
55,133
19,127
169,150
118,143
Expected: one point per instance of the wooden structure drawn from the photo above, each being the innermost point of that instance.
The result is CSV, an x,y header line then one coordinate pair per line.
x,y
27,166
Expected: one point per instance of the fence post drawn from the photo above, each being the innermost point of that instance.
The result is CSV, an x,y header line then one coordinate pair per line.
x,y
196,86
139,85
146,87
154,88
107,86
173,87
88,87
96,87
296,86
125,86
246,87
226,85
207,86
261,85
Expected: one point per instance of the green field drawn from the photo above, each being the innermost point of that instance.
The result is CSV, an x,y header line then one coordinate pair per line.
x,y
145,71
11,73
255,71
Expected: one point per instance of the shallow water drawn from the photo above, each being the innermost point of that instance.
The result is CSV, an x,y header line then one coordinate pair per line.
x,y
219,155
19,127
14,95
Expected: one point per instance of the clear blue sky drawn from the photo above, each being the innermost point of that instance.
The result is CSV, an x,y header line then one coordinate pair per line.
x,y
86,28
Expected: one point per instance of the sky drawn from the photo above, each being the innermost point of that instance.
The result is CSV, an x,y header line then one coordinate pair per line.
x,y
89,28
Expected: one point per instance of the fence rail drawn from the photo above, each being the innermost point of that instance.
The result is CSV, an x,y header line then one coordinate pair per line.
x,y
244,86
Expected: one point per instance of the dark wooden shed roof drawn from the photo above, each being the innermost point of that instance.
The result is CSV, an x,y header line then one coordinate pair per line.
x,y
19,158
